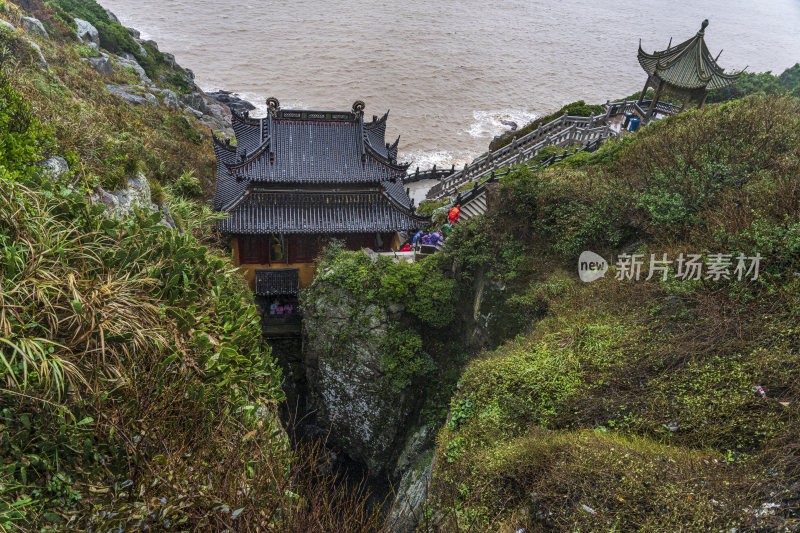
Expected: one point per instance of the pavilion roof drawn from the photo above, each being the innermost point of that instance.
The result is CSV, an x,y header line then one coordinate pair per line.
x,y
688,65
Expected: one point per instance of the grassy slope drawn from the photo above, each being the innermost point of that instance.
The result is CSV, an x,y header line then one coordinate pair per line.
x,y
636,398
130,353
110,137
135,391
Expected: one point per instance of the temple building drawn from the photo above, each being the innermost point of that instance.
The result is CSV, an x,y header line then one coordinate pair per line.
x,y
687,71
295,179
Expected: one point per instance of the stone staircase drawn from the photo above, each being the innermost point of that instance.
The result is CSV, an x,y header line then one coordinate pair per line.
x,y
562,132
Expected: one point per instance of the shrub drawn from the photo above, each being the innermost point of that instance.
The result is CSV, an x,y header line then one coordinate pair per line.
x,y
187,185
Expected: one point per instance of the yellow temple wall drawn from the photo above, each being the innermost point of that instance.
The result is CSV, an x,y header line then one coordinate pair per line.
x,y
305,270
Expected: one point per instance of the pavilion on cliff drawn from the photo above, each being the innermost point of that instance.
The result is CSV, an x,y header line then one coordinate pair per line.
x,y
687,71
297,178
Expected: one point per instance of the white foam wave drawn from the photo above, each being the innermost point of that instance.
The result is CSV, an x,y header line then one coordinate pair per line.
x,y
425,159
488,124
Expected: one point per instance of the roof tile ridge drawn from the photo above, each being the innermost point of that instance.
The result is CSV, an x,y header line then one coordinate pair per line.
x,y
251,158
233,204
382,160
247,121
218,142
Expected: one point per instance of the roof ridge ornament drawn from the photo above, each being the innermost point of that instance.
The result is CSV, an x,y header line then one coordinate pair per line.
x,y
703,27
358,108
273,105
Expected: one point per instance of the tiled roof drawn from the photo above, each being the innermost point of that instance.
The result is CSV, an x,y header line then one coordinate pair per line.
x,y
249,132
688,65
228,188
316,152
300,171
292,212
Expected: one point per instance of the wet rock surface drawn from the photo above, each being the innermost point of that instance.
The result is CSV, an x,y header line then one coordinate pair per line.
x,y
232,101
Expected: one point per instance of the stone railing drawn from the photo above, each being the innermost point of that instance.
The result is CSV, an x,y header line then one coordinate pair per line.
x,y
430,174
468,195
562,131
569,136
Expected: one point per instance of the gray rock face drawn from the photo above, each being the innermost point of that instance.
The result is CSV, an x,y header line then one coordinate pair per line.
x,y
170,60
195,101
347,386
232,101
87,33
151,99
34,27
38,50
55,167
170,99
134,33
7,25
131,94
128,61
415,447
135,195
196,113
218,117
412,492
101,64
111,16
120,204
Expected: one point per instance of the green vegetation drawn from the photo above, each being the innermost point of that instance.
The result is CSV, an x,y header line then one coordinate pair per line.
x,y
426,295
136,392
764,83
635,399
110,137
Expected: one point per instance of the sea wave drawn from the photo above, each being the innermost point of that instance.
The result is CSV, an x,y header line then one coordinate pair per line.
x,y
425,159
487,124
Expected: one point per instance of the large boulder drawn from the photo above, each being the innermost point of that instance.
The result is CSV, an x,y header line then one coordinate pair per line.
x,y
132,94
34,26
170,60
232,101
194,100
101,64
196,113
129,61
122,203
38,50
170,99
218,117
348,387
55,167
111,16
87,33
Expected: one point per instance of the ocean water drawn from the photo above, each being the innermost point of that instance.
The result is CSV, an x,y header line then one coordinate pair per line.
x,y
450,70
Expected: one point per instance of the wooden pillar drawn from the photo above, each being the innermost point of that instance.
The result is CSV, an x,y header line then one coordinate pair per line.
x,y
644,91
656,96
703,100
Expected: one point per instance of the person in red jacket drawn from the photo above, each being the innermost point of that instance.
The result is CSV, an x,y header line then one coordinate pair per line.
x,y
454,214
